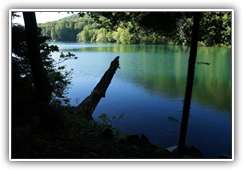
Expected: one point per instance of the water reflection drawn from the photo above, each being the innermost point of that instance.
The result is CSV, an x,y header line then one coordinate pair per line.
x,y
164,74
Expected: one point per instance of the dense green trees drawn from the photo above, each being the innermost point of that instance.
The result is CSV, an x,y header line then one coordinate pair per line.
x,y
215,29
84,29
65,29
122,35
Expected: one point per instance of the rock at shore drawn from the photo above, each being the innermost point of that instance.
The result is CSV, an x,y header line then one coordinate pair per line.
x,y
190,152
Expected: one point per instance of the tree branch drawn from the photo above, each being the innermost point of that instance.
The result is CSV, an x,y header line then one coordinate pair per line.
x,y
89,104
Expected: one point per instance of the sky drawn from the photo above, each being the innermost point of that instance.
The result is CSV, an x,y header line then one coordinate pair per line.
x,y
42,17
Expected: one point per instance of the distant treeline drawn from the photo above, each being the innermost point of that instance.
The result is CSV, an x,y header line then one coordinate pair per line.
x,y
215,30
84,29
65,29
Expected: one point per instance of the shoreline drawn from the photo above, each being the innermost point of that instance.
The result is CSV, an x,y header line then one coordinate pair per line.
x,y
215,46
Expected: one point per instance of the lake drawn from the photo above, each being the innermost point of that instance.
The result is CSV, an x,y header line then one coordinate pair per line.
x,y
150,87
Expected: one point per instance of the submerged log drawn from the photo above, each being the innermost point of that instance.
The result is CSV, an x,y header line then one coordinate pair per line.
x,y
89,104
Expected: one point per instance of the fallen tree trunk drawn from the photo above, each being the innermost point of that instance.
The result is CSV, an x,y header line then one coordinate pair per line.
x,y
89,104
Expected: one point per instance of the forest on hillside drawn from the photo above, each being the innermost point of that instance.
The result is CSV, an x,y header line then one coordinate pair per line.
x,y
215,30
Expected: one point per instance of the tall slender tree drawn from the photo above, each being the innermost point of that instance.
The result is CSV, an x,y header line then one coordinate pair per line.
x,y
42,85
189,84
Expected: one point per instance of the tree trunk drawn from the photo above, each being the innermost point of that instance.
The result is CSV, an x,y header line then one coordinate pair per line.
x,y
89,104
42,86
189,84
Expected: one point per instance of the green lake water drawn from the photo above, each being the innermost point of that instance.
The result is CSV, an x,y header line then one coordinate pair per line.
x,y
150,87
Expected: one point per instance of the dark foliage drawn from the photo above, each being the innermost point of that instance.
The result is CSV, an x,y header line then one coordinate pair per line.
x,y
23,89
